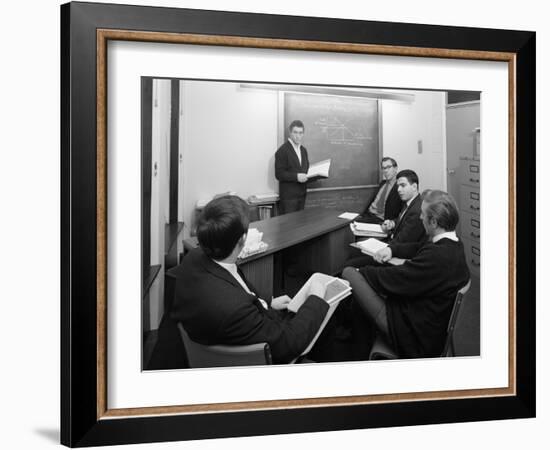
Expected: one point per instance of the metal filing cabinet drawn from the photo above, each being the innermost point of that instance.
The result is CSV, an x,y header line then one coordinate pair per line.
x,y
469,204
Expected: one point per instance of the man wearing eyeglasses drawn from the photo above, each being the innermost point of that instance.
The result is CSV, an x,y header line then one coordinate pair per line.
x,y
386,204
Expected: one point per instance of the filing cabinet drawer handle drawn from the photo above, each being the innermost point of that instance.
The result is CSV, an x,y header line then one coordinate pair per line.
x,y
475,263
475,208
473,180
474,235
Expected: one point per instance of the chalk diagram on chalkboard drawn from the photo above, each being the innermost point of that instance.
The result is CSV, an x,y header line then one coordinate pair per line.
x,y
338,133
342,128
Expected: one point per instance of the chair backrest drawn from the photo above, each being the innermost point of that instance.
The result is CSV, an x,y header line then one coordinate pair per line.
x,y
449,349
199,355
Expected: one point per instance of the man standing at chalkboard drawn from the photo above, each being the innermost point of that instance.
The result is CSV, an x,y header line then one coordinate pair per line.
x,y
291,166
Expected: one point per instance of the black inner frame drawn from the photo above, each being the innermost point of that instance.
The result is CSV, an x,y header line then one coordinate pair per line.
x,y
79,424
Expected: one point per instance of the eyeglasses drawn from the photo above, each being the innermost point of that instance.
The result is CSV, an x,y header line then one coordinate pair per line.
x,y
386,167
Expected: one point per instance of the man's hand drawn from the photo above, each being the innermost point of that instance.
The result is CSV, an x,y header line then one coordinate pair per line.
x,y
302,178
387,225
317,288
280,302
383,255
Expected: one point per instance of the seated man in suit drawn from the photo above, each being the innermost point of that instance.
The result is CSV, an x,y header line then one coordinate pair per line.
x,y
406,227
410,304
386,203
216,304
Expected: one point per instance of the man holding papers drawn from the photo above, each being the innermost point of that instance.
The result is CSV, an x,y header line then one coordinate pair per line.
x,y
410,304
215,303
291,167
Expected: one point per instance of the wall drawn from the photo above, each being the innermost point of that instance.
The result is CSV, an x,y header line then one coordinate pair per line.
x,y
404,124
160,197
229,141
230,137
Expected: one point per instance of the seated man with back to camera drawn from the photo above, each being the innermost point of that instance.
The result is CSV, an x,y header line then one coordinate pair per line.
x,y
410,304
406,227
215,303
386,203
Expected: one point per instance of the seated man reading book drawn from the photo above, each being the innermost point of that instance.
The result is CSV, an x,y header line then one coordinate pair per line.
x,y
217,305
410,304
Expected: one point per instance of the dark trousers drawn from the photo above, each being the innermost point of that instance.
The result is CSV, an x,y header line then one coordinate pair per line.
x,y
288,205
371,305
357,259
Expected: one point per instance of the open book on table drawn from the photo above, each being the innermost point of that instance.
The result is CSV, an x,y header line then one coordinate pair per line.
x,y
319,169
337,290
372,245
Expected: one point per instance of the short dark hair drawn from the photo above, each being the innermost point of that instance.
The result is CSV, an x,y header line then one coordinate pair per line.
x,y
387,158
441,207
296,123
410,175
221,224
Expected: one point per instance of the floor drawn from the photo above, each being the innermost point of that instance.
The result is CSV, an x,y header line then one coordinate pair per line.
x,y
162,348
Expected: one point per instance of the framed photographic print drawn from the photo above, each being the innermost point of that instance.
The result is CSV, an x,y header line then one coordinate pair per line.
x,y
165,109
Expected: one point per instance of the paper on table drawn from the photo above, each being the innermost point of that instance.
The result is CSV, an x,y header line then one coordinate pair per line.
x,y
370,230
348,215
368,227
319,169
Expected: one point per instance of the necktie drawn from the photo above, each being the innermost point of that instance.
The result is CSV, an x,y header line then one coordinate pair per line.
x,y
380,203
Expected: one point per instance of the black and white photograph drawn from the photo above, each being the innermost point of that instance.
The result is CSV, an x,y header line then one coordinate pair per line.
x,y
272,224
307,224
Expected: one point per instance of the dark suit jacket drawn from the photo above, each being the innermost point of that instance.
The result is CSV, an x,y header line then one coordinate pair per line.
x,y
392,207
409,228
215,309
420,296
287,167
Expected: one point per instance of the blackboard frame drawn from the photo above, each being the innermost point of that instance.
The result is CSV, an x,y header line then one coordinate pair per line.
x,y
85,29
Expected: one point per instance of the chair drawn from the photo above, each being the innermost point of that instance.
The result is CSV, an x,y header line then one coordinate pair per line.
x,y
382,350
199,355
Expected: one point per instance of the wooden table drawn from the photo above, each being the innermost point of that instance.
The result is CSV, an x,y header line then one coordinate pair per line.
x,y
323,239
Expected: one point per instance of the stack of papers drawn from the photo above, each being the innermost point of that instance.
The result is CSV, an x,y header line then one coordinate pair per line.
x,y
263,198
253,244
367,230
319,169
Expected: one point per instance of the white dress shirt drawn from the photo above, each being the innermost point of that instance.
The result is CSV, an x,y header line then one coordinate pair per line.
x,y
297,150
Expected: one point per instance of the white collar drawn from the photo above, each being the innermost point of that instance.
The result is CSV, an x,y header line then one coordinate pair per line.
x,y
296,146
231,267
448,234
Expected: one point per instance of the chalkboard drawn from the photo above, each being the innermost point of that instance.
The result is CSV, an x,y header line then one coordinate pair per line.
x,y
352,200
344,129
